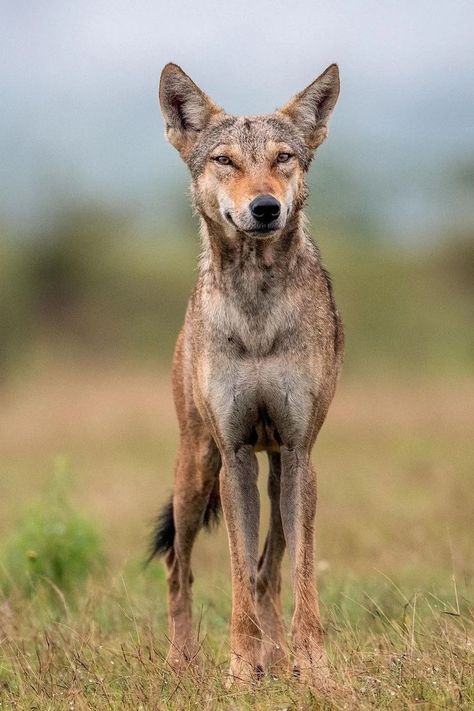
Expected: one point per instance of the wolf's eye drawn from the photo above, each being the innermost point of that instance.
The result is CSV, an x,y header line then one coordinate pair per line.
x,y
223,160
283,157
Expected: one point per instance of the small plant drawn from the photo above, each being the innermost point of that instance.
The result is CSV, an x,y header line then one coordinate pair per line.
x,y
52,546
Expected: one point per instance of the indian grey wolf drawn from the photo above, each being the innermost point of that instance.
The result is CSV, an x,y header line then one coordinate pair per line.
x,y
255,368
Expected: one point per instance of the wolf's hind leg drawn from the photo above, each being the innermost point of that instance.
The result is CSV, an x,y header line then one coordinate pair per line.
x,y
195,499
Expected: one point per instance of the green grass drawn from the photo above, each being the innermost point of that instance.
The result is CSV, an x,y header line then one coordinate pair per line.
x,y
52,547
385,652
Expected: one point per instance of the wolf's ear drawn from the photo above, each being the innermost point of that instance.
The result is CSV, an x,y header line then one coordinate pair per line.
x,y
186,109
311,109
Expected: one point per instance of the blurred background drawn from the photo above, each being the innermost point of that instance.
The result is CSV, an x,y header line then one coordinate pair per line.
x,y
98,251
98,255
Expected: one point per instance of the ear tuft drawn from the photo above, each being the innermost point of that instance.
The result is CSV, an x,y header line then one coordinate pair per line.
x,y
311,109
186,109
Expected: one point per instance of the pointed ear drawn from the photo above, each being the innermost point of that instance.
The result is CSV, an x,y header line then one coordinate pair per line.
x,y
311,109
186,109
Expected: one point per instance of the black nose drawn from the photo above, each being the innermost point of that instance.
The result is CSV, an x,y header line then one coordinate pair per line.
x,y
265,208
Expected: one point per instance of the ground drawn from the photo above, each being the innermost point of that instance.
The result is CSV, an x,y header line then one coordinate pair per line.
x,y
394,541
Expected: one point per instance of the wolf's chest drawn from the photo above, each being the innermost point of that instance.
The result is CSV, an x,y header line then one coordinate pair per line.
x,y
253,328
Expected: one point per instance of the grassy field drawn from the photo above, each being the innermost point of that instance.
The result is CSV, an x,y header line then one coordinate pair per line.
x,y
394,540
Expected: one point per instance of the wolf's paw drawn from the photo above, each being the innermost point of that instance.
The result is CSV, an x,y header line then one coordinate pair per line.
x,y
313,670
242,673
181,658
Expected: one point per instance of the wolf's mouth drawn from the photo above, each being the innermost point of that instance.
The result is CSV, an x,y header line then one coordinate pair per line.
x,y
262,230
228,217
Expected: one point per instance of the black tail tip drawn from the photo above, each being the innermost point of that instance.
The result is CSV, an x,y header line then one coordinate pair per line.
x,y
163,534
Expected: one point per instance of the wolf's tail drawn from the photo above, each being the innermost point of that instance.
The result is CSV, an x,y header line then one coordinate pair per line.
x,y
164,531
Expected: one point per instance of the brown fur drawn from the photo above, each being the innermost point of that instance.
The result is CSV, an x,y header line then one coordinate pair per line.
x,y
255,368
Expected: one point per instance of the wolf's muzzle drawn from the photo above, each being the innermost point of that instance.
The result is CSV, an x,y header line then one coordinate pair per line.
x,y
265,209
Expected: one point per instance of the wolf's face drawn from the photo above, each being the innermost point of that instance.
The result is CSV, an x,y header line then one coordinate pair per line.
x,y
248,172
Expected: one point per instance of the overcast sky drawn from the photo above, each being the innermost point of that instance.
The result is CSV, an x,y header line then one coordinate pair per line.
x,y
79,80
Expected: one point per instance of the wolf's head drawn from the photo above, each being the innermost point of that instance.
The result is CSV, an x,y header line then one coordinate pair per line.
x,y
247,172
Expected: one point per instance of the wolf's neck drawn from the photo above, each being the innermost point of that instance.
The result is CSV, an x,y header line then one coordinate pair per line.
x,y
233,258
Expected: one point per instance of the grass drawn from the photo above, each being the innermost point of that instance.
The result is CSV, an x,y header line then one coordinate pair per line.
x,y
394,545
110,654
52,546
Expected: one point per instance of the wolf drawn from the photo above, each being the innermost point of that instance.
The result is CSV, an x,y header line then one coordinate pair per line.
x,y
255,369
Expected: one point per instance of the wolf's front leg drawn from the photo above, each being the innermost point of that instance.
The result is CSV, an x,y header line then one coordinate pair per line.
x,y
269,577
241,506
298,509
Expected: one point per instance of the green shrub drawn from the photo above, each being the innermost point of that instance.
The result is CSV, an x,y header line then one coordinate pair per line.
x,y
52,547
